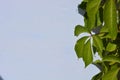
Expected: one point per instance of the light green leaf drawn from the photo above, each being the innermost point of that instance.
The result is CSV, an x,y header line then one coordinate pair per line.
x,y
113,59
110,18
79,29
111,47
92,9
97,42
111,74
79,46
104,29
87,53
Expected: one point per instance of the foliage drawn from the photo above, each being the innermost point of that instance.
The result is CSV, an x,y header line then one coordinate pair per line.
x,y
102,23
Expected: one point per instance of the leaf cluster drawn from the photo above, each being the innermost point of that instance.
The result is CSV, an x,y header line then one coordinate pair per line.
x,y
102,23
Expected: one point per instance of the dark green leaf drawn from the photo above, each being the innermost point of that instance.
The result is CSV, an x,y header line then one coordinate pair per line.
x,y
79,47
111,59
111,74
79,29
82,8
111,47
82,5
92,9
110,18
87,53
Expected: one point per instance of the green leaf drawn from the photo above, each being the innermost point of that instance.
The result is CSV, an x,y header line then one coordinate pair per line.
x,y
113,59
97,42
111,74
86,22
79,46
104,29
85,0
87,53
110,18
82,5
111,47
98,19
79,29
92,9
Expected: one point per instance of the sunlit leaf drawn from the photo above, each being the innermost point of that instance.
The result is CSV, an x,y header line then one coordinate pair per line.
x,y
111,47
101,22
110,18
104,29
92,9
97,42
79,29
79,47
111,59
87,53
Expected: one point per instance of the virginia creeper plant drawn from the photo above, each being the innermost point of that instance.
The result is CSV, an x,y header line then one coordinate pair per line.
x,y
102,23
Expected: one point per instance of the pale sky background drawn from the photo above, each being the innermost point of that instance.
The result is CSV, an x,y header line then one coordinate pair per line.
x,y
37,41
